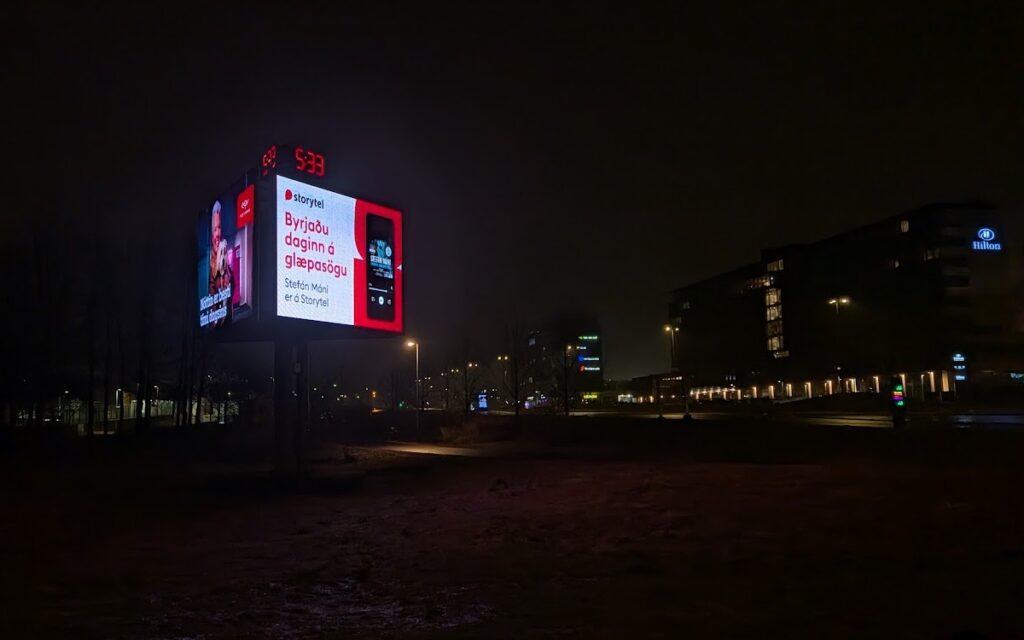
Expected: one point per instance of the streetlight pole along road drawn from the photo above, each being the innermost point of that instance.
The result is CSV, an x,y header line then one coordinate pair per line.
x,y
671,331
837,303
419,404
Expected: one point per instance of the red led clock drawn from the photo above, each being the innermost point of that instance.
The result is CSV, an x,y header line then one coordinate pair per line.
x,y
309,162
306,161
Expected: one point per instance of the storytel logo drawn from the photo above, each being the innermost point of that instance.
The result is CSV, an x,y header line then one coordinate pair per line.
x,y
312,203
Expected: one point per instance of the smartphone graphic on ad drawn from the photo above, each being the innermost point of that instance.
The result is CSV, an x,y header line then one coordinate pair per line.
x,y
380,271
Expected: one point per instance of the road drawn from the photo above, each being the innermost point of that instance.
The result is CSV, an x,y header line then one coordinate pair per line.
x,y
840,419
477,450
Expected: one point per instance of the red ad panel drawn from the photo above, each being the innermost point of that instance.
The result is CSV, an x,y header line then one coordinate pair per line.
x,y
373,220
245,206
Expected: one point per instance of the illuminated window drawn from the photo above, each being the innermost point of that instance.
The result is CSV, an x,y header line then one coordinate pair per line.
x,y
930,254
894,264
759,282
773,312
775,343
773,328
775,265
904,226
772,297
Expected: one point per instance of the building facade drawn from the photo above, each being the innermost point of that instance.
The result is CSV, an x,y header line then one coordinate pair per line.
x,y
565,356
933,295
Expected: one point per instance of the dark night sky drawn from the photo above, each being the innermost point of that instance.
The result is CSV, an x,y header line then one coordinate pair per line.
x,y
592,160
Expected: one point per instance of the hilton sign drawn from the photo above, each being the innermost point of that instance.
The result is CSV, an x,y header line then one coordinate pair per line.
x,y
984,241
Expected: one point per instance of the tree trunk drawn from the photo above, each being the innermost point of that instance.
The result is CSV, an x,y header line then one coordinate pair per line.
x,y
148,391
91,391
565,383
138,386
106,377
515,384
202,383
190,378
121,376
179,393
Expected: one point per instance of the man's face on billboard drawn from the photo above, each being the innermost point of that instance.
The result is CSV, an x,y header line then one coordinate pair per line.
x,y
215,228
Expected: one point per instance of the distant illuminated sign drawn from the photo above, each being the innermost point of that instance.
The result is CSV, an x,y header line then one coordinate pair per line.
x,y
897,395
481,402
589,338
960,366
589,358
985,241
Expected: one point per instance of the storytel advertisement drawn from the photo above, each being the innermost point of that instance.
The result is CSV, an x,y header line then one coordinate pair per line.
x,y
339,259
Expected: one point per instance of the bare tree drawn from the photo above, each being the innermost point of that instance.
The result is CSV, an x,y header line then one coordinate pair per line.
x,y
106,374
90,395
513,364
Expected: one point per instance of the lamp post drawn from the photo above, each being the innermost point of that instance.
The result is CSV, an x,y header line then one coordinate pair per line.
x,y
837,303
504,372
671,331
465,383
566,364
412,344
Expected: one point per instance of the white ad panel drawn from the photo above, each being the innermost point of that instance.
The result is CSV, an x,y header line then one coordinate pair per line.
x,y
316,250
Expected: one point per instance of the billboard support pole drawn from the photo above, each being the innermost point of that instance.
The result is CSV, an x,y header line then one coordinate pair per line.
x,y
301,422
284,368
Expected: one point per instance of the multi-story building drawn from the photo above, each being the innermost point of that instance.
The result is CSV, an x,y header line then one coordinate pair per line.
x,y
933,295
566,355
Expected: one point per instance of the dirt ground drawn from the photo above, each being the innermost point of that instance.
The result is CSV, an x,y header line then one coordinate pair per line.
x,y
587,541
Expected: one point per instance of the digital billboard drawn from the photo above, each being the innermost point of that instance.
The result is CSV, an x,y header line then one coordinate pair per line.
x,y
339,259
225,257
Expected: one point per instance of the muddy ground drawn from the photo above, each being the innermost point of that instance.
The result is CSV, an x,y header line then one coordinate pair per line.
x,y
735,536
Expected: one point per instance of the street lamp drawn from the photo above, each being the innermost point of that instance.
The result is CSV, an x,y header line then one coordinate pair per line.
x,y
836,302
566,364
671,331
465,383
504,372
412,344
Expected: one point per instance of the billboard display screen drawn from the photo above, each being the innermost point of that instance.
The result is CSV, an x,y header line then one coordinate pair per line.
x,y
225,257
339,259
